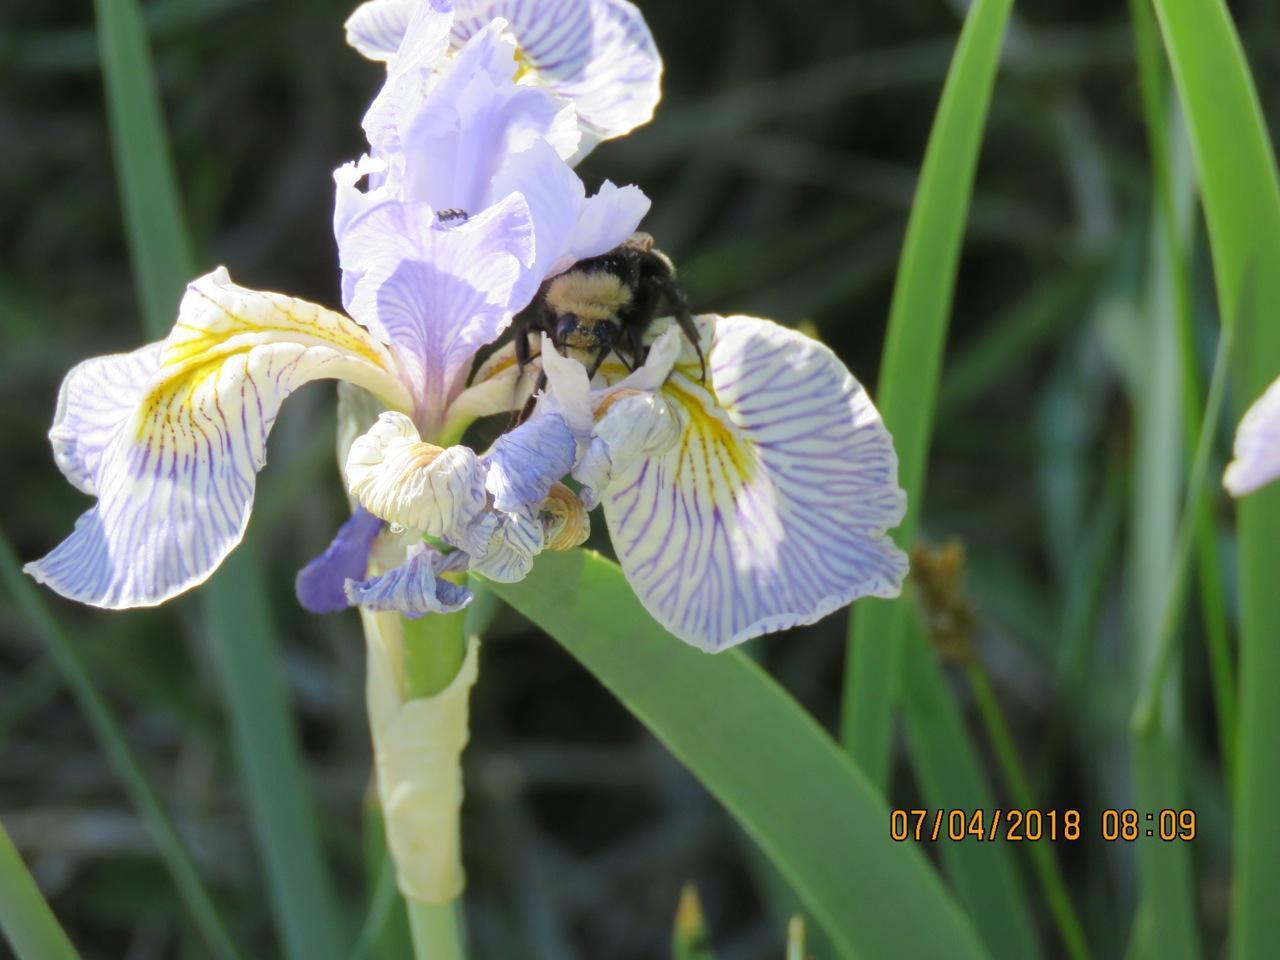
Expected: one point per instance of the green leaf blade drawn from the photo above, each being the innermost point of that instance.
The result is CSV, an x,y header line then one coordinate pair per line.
x,y
911,368
761,755
1241,197
26,920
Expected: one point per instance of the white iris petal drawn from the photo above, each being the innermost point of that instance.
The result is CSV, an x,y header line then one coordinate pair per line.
x,y
1257,448
398,477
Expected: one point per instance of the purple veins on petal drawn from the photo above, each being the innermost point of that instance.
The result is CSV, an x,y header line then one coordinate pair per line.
x,y
321,584
772,509
413,589
525,462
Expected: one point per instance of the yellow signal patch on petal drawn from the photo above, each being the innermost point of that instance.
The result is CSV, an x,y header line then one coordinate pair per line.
x,y
771,507
175,477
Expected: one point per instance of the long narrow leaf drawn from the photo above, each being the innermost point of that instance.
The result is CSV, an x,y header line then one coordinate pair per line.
x,y
1241,195
242,639
947,766
26,920
158,239
912,363
945,760
762,756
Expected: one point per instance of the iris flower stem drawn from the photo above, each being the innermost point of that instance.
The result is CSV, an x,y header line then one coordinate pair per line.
x,y
1043,861
437,930
434,648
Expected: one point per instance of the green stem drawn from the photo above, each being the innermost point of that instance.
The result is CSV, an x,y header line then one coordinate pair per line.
x,y
26,920
437,931
434,648
1042,859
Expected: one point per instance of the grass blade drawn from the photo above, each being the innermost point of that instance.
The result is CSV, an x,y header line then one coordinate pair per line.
x,y
912,362
158,238
945,761
116,746
793,790
1241,197
1155,109
236,610
25,918
950,774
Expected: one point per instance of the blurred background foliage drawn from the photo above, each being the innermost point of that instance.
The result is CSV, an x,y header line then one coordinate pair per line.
x,y
782,166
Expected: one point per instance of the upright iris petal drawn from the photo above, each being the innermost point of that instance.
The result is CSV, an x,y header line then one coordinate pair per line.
x,y
755,502
470,140
1257,447
173,436
597,54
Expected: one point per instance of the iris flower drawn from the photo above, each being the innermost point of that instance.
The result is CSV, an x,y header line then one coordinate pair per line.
x,y
1257,446
754,500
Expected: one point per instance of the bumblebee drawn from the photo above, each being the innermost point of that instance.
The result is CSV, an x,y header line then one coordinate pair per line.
x,y
604,305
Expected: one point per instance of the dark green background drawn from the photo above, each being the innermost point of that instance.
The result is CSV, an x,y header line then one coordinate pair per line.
x,y
781,166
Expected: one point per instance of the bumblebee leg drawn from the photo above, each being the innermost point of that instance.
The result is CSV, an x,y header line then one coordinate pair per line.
x,y
639,353
532,402
595,364
680,307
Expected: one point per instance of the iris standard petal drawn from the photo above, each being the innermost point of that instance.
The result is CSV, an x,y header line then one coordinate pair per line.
x,y
175,482
446,137
411,67
398,477
568,226
377,27
771,509
437,293
321,584
1257,448
96,397
523,463
597,54
412,589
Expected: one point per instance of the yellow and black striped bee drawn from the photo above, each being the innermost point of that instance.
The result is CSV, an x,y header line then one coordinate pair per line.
x,y
604,305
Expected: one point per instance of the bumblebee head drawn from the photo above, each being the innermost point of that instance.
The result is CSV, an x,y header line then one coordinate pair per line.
x,y
576,333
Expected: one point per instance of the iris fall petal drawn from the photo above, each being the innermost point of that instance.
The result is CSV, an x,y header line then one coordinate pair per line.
x,y
175,480
771,508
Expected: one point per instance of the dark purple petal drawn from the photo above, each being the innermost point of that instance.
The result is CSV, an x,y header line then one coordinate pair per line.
x,y
321,584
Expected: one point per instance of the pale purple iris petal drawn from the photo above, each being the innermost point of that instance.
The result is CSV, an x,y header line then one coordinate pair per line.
x,y
1257,447
412,589
438,293
772,509
175,482
377,27
97,396
321,584
525,462
460,136
568,226
514,540
597,54
410,72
